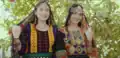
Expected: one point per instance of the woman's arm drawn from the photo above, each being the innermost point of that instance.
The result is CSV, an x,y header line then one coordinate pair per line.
x,y
60,45
16,31
19,39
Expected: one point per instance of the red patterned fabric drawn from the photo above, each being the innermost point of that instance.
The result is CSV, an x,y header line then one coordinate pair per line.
x,y
43,41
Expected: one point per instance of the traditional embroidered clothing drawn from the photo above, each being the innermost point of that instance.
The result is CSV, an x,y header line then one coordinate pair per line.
x,y
75,44
37,43
78,45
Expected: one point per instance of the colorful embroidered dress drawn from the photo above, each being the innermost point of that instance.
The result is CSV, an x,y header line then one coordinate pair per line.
x,y
75,44
37,43
78,44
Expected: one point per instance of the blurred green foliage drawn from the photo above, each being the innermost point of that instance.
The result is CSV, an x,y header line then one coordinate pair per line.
x,y
103,16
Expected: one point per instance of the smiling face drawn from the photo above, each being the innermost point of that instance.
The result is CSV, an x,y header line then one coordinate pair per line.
x,y
76,15
42,12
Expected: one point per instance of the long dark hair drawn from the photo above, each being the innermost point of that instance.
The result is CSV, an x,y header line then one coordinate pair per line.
x,y
69,15
32,18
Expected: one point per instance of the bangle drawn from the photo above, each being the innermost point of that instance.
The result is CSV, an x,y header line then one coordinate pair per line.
x,y
16,38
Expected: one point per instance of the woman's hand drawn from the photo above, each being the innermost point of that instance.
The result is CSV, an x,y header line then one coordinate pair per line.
x,y
16,30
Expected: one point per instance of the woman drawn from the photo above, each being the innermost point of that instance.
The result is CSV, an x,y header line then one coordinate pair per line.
x,y
36,36
79,39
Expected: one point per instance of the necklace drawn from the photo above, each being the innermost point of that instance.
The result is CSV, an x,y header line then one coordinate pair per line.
x,y
76,38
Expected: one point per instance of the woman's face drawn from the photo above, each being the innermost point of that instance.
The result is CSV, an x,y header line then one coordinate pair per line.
x,y
76,15
42,12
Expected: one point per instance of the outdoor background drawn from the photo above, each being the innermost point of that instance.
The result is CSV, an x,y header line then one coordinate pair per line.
x,y
103,16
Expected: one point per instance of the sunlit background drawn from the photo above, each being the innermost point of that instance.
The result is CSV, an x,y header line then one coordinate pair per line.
x,y
10,16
